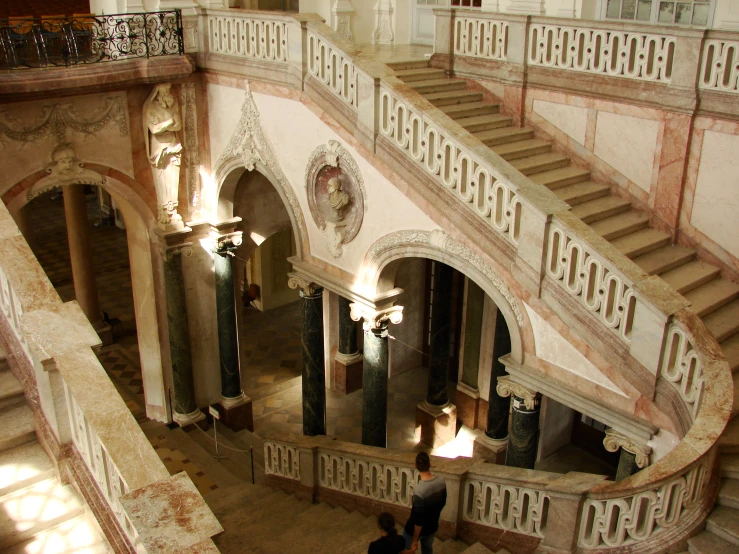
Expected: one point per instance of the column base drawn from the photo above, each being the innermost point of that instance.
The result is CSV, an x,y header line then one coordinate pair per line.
x,y
468,405
490,450
348,370
188,420
436,425
236,413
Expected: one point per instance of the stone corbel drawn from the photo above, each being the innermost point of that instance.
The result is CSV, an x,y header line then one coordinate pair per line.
x,y
306,286
506,387
376,318
615,440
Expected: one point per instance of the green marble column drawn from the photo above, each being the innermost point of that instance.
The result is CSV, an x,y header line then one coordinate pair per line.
x,y
179,334
314,370
347,328
524,436
441,316
226,315
498,407
374,386
626,465
472,334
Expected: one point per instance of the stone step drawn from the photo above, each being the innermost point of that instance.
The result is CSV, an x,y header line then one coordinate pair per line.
x,y
419,74
479,548
728,445
450,546
708,543
620,225
724,522
729,462
16,427
403,65
730,346
11,391
690,276
453,97
76,536
712,296
540,162
501,136
724,322
664,259
600,208
23,466
640,242
582,192
521,149
222,501
437,85
32,510
470,109
478,123
728,493
561,177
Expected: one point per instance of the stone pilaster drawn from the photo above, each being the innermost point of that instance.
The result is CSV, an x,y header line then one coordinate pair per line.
x,y
237,408
633,457
348,360
524,434
376,370
314,368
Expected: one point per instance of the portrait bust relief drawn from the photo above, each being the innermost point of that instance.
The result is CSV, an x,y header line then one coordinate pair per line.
x,y
335,195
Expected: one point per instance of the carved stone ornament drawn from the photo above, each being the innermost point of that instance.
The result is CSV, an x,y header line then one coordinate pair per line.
x,y
64,169
336,197
343,11
228,241
184,249
374,318
306,286
506,387
383,23
615,440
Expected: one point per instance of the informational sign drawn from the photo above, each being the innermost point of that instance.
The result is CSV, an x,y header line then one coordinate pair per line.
x,y
212,411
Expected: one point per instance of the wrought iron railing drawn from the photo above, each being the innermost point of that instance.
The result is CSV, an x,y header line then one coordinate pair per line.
x,y
49,42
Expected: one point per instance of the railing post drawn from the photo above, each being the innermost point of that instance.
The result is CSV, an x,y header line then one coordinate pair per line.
x,y
444,38
529,266
686,60
308,463
368,109
298,50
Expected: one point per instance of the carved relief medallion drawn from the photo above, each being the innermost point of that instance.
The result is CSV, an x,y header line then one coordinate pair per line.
x,y
336,196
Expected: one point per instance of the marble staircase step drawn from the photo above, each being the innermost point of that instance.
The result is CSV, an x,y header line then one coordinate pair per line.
x,y
76,536
730,346
479,548
477,123
470,109
712,296
729,463
728,493
620,225
640,242
419,74
540,162
690,276
724,323
664,259
224,500
450,546
437,85
453,97
708,543
404,65
561,177
728,444
503,135
11,391
23,466
521,149
32,510
600,208
582,192
16,427
724,522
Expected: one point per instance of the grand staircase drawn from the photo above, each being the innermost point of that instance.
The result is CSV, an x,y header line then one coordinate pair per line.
x,y
38,515
714,299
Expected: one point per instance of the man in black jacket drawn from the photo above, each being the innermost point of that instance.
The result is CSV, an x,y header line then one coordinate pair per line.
x,y
429,498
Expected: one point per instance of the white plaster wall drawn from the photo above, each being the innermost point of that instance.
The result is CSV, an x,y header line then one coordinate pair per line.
x,y
716,201
553,348
386,209
726,15
321,7
572,120
487,342
363,21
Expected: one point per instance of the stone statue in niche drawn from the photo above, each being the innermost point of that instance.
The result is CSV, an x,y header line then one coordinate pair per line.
x,y
335,195
64,169
162,124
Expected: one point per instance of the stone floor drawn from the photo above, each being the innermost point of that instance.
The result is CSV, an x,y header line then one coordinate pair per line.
x,y
398,52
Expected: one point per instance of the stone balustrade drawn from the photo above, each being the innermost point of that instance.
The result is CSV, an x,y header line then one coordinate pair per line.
x,y
720,63
81,418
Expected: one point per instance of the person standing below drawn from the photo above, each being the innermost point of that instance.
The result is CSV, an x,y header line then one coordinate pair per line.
x,y
429,498
390,542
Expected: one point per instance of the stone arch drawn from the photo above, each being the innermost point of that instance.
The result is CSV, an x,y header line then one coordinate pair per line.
x,y
142,245
383,259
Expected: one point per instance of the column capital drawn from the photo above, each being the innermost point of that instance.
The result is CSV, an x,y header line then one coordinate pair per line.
x,y
223,243
615,440
506,387
176,242
376,318
307,287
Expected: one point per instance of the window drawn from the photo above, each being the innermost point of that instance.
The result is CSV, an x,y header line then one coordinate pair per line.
x,y
693,12
467,3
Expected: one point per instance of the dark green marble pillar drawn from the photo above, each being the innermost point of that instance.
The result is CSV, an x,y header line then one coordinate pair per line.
x,y
314,370
524,436
626,465
498,407
374,387
226,312
441,318
179,335
472,334
347,328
